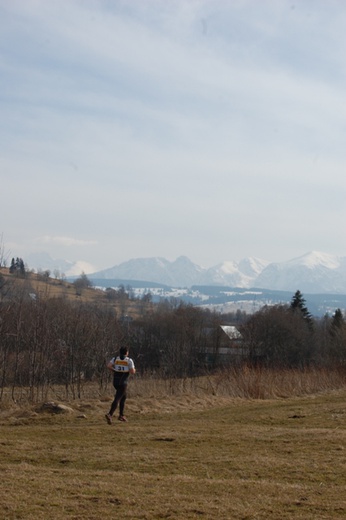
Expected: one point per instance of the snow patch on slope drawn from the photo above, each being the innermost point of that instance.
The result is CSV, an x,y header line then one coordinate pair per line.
x,y
314,259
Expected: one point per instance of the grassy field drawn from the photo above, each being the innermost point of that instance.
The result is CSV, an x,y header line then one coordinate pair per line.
x,y
178,457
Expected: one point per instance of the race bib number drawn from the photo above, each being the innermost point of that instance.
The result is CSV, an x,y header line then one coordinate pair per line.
x,y
121,366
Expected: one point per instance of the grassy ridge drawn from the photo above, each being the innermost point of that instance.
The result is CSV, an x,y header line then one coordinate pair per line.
x,y
194,457
48,287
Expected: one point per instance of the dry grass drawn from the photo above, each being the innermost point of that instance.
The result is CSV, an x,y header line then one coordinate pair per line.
x,y
49,287
187,453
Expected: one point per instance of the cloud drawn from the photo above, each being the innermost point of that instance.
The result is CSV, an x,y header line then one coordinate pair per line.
x,y
64,241
154,124
81,267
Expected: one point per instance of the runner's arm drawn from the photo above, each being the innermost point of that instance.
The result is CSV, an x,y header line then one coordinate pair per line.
x,y
110,366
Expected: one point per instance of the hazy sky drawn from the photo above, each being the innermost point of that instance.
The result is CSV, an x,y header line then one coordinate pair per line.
x,y
213,129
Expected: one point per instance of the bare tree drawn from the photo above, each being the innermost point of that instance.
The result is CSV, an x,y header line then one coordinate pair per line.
x,y
3,255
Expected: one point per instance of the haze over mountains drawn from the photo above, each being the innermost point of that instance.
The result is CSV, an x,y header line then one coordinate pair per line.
x,y
43,261
313,273
184,273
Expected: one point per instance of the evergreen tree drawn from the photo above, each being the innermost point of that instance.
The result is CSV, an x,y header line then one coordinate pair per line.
x,y
17,266
12,266
21,266
337,333
298,305
337,321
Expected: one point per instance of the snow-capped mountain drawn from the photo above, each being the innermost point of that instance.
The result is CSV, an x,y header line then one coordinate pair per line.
x,y
241,274
182,272
313,272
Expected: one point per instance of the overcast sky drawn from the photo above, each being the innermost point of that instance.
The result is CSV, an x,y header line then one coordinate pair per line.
x,y
214,129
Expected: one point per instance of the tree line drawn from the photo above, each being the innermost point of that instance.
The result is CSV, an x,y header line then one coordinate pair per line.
x,y
289,336
56,341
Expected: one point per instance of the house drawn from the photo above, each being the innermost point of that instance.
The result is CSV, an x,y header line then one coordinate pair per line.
x,y
225,346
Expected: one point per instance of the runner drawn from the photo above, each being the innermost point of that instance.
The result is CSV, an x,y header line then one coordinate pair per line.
x,y
121,366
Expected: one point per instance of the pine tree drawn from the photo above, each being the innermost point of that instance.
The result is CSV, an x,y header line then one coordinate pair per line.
x,y
337,321
298,305
12,266
21,266
17,266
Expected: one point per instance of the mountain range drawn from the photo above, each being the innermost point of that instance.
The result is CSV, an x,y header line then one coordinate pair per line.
x,y
313,273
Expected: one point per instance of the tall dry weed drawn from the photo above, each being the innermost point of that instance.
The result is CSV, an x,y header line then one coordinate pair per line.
x,y
266,383
246,383
243,382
